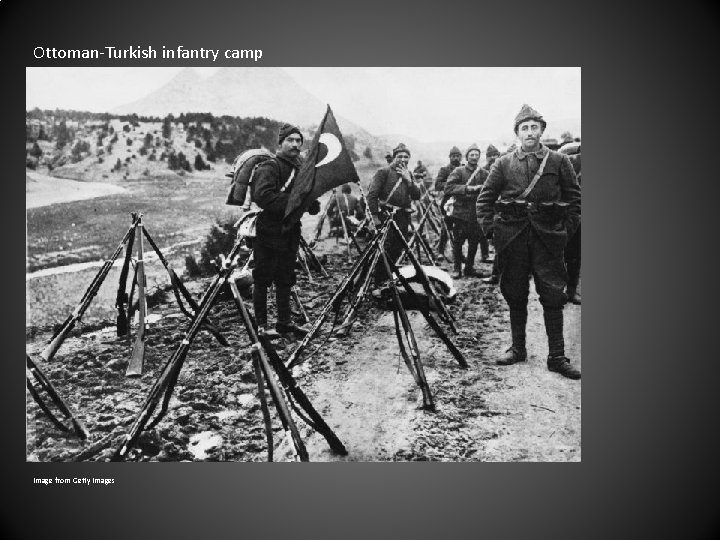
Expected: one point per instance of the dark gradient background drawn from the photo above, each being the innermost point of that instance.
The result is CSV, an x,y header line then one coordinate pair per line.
x,y
650,464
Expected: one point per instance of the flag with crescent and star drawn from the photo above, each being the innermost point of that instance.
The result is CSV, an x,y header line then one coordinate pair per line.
x,y
328,165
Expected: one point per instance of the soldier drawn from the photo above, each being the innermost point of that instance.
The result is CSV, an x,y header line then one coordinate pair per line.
x,y
572,250
491,156
530,203
462,187
276,253
389,157
349,206
443,173
393,188
420,173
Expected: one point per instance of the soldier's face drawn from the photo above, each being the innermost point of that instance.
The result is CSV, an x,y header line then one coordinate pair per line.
x,y
455,160
401,159
473,157
529,133
290,146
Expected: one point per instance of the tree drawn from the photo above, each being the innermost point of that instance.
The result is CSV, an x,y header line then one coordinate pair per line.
x,y
183,162
166,127
36,151
63,135
200,165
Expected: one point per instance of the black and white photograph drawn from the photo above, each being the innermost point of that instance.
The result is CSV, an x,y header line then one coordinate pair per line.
x,y
314,264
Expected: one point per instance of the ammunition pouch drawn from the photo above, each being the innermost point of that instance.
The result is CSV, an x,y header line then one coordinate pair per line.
x,y
553,213
512,209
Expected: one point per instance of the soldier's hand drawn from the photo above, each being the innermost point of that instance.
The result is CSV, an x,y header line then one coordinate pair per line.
x,y
404,172
314,208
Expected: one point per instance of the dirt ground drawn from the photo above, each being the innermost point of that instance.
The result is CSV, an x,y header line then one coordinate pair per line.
x,y
358,383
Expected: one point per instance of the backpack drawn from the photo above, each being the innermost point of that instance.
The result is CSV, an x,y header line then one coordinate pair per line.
x,y
243,169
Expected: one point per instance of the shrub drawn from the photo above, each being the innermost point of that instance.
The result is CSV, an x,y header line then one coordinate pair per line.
x,y
220,240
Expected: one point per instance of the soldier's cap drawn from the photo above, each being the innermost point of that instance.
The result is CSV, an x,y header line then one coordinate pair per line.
x,y
400,148
388,154
491,151
472,147
528,113
288,129
455,150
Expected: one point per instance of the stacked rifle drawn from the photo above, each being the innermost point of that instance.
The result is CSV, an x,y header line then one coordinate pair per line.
x,y
354,287
40,387
350,233
270,370
430,218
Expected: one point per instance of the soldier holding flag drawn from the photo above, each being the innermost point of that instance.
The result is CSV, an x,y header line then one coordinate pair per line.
x,y
275,251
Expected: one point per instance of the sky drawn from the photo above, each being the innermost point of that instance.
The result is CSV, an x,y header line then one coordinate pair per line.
x,y
428,103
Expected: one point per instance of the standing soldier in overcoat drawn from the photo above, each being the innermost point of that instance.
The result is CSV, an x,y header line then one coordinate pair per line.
x,y
393,189
530,204
442,176
463,186
275,253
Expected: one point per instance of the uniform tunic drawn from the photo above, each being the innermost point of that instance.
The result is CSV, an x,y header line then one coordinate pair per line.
x,y
382,185
275,253
465,225
531,241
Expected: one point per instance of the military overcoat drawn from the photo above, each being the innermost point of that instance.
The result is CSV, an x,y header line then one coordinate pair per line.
x,y
509,176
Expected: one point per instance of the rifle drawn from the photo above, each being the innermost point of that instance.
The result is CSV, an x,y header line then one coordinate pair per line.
x,y
178,285
312,257
400,315
122,296
36,381
135,366
293,359
162,389
59,336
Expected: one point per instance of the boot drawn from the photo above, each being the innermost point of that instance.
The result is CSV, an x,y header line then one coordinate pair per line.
x,y
458,270
284,323
512,356
260,304
561,365
471,272
267,332
282,301
260,307
292,328
557,361
516,353
554,330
